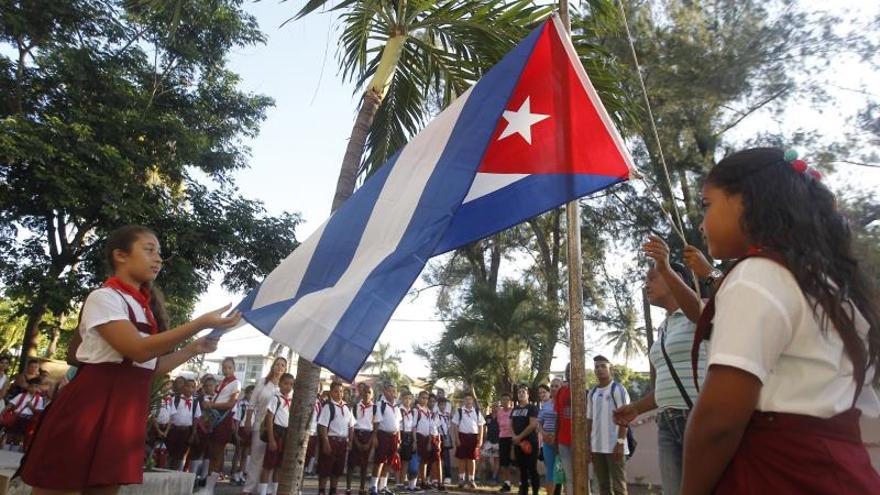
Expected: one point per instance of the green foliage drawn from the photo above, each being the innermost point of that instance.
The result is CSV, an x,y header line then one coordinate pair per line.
x,y
448,46
116,113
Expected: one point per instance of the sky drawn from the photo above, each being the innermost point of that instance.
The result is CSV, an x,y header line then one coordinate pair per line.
x,y
295,158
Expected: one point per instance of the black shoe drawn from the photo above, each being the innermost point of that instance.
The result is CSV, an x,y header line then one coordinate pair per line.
x,y
505,488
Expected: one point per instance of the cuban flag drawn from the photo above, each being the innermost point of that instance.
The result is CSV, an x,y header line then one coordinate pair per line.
x,y
530,136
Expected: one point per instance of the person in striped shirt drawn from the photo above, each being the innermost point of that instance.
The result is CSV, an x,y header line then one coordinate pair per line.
x,y
547,429
669,286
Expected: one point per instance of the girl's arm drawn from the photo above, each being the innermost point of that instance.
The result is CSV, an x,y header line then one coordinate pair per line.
x,y
627,413
126,340
716,426
686,298
168,362
223,406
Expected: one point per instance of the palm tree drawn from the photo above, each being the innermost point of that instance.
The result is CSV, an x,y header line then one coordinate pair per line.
x,y
382,358
398,52
510,317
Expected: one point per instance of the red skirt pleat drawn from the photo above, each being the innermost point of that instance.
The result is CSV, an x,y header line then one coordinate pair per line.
x,y
804,455
93,434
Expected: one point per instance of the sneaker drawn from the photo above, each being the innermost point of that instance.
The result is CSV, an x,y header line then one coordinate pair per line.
x,y
373,491
472,485
441,488
505,488
461,483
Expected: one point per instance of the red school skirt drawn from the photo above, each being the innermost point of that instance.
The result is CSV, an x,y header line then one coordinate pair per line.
x,y
792,453
93,434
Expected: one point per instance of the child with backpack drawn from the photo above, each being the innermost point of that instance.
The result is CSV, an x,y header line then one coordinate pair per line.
x,y
467,423
426,433
335,431
184,413
20,411
363,439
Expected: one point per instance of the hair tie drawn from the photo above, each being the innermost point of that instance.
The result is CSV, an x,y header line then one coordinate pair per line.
x,y
800,166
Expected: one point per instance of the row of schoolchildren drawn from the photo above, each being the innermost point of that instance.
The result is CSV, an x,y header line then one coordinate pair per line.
x,y
191,427
401,437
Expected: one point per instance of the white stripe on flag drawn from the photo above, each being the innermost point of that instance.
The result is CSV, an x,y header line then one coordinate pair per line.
x,y
314,317
284,281
488,183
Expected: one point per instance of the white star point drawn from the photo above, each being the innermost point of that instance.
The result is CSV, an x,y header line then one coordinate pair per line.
x,y
521,121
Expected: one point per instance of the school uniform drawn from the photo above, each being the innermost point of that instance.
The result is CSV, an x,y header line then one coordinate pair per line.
x,y
363,431
426,425
387,420
279,406
240,418
25,407
223,421
338,419
72,448
161,416
313,431
202,430
804,435
184,412
469,422
406,438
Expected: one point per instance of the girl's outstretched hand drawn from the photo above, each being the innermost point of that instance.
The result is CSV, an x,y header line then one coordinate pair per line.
x,y
203,345
215,319
697,262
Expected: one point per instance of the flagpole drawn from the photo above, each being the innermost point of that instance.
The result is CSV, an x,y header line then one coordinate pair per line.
x,y
577,376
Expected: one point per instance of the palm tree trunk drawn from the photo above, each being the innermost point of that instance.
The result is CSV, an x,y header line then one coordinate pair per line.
x,y
308,375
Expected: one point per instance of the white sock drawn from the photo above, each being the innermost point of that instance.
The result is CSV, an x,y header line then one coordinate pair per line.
x,y
273,488
412,483
206,464
194,467
262,487
375,482
383,482
461,477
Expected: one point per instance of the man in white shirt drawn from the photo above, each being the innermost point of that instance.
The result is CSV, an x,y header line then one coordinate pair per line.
x,y
606,440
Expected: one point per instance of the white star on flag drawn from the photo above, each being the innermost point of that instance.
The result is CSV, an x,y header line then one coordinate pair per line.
x,y
521,121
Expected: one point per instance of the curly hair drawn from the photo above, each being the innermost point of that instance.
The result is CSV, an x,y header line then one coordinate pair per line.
x,y
795,215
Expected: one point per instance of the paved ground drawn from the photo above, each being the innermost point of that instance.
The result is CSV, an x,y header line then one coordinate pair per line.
x,y
224,488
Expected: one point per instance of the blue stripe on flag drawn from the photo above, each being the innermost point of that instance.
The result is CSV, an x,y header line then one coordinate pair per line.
x,y
510,205
333,254
351,342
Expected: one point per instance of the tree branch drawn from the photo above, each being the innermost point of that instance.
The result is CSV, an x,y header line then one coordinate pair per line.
x,y
750,111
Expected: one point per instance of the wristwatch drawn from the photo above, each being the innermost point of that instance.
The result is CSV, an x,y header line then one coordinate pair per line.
x,y
714,275
621,441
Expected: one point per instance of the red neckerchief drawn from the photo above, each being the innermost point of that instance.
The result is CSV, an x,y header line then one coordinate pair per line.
x,y
341,405
468,412
142,296
167,400
188,402
286,402
226,381
364,407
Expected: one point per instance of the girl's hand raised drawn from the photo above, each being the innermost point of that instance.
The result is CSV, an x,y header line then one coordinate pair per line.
x,y
697,262
657,250
215,319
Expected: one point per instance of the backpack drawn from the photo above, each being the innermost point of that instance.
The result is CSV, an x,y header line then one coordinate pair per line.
x,y
354,410
631,442
476,410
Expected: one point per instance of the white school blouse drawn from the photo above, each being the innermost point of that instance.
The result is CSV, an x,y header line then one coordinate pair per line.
x,y
470,421
103,306
765,325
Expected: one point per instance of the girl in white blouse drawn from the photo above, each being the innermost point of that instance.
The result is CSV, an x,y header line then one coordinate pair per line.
x,y
794,338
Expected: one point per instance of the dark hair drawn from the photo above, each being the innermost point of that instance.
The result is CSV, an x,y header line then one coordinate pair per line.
x,y
35,381
269,376
601,359
208,378
506,394
286,376
425,392
335,385
228,359
544,386
795,215
122,239
249,388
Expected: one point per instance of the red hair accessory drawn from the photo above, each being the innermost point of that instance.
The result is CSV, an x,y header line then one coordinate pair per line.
x,y
799,166
815,173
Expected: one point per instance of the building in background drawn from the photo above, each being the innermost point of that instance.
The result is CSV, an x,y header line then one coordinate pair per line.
x,y
248,367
